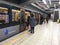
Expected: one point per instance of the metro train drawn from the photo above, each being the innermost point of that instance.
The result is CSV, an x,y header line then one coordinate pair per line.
x,y
11,20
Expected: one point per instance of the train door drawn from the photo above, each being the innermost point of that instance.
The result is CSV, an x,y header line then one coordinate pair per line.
x,y
38,18
22,21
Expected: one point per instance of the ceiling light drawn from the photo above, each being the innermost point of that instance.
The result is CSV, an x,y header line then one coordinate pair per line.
x,y
59,2
44,1
50,2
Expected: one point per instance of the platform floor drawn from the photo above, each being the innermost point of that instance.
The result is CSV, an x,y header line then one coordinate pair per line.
x,y
46,34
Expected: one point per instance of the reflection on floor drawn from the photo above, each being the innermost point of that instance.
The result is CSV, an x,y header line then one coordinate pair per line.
x,y
46,34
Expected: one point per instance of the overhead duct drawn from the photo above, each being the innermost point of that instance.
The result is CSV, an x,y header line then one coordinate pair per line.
x,y
16,1
22,1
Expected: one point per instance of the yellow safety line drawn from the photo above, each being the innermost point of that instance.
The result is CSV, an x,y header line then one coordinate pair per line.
x,y
17,38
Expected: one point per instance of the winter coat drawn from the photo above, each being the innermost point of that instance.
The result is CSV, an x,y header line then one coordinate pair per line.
x,y
32,21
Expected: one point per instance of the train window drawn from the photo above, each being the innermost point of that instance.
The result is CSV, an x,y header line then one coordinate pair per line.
x,y
26,15
4,18
15,15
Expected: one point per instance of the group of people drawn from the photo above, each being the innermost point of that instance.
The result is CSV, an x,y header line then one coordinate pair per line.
x,y
31,21
44,19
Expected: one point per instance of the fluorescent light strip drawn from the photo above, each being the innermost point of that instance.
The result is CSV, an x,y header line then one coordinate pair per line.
x,y
59,2
44,1
50,2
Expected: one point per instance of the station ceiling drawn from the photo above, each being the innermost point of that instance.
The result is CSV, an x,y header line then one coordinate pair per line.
x,y
38,3
22,1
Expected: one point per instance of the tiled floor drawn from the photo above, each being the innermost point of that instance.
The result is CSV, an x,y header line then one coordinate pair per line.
x,y
46,34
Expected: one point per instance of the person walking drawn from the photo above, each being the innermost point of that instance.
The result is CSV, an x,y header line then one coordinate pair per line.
x,y
32,22
47,18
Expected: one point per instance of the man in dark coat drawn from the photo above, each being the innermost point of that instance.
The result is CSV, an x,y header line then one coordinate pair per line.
x,y
32,22
47,18
41,19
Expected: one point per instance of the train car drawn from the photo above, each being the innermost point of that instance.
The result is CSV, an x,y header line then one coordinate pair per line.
x,y
9,21
12,20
